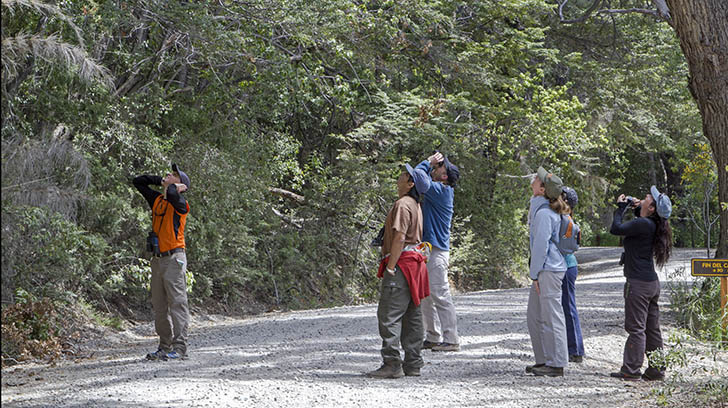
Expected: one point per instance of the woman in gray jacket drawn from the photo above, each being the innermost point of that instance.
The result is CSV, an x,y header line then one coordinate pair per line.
x,y
546,323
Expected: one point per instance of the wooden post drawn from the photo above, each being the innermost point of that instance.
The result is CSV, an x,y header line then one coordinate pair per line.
x,y
723,301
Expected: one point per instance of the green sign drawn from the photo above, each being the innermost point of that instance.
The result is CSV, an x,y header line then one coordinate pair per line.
x,y
709,267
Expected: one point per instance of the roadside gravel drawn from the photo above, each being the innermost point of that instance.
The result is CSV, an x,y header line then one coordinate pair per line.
x,y
317,358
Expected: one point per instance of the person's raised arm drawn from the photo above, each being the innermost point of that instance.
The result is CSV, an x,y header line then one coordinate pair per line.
x,y
142,184
175,198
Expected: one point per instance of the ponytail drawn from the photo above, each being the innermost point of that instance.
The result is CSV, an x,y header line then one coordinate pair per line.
x,y
559,205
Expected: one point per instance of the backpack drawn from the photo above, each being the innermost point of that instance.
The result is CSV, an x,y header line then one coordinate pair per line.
x,y
569,234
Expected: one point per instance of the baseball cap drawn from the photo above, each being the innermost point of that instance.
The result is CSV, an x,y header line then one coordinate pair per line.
x,y
570,196
662,203
453,173
551,182
421,179
183,177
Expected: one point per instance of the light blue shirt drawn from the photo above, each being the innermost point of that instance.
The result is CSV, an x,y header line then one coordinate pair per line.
x,y
570,260
544,231
437,209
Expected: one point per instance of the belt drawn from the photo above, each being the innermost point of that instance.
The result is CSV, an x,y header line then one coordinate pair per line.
x,y
170,252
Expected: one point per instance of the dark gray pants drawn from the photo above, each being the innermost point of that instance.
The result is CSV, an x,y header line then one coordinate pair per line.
x,y
400,321
642,322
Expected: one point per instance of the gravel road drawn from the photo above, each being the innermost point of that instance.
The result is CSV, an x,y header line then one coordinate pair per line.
x,y
316,358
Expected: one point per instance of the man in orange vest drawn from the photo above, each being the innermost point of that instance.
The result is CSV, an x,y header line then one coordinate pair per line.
x,y
169,262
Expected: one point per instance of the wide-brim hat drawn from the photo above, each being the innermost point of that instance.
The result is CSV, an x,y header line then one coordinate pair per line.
x,y
551,182
183,177
662,203
421,179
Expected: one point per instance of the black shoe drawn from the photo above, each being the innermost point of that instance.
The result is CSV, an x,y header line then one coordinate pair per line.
x,y
548,371
429,344
653,374
412,372
529,369
387,371
576,359
159,355
625,376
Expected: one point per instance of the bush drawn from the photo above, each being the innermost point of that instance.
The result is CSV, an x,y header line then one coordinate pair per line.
x,y
30,329
696,306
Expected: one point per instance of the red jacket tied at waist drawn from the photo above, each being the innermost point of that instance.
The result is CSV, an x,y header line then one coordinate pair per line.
x,y
414,268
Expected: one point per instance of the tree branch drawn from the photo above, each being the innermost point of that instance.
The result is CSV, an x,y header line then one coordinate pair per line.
x,y
288,194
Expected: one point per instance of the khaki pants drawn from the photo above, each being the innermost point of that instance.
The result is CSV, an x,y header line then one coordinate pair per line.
x,y
169,300
400,321
438,310
546,324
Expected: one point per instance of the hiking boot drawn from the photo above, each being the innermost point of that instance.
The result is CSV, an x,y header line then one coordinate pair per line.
x,y
412,372
576,359
159,355
429,344
548,371
446,347
529,369
387,371
653,374
625,376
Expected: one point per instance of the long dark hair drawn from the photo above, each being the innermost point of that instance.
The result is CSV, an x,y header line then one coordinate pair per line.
x,y
662,244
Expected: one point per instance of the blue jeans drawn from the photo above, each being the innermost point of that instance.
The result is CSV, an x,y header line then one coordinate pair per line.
x,y
568,301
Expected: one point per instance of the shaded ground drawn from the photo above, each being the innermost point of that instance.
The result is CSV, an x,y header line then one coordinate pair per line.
x,y
316,359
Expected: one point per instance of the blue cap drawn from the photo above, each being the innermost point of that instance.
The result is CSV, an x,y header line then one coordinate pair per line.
x,y
422,180
183,177
570,196
662,203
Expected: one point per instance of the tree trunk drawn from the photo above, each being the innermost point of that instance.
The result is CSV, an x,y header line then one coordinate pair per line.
x,y
702,27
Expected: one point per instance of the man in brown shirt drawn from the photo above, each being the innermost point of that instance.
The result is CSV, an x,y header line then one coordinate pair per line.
x,y
403,274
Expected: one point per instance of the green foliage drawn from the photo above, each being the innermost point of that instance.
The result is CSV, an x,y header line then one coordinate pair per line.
x,y
696,305
31,329
693,378
325,100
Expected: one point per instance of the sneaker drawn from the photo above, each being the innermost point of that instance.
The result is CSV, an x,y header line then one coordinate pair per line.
x,y
653,374
576,359
446,347
625,376
529,369
159,355
412,372
548,371
387,371
175,355
429,344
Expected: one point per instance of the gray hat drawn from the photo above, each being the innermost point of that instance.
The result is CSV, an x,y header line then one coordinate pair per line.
x,y
551,182
570,196
183,177
421,179
662,203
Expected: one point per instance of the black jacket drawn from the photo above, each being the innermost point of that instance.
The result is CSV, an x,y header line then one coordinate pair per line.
x,y
639,236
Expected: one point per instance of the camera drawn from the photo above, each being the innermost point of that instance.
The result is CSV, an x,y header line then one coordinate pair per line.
x,y
379,239
630,201
153,243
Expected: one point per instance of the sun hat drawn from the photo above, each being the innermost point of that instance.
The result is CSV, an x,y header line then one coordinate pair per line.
x,y
421,179
551,182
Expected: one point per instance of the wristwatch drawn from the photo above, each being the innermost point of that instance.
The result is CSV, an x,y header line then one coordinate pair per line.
x,y
391,271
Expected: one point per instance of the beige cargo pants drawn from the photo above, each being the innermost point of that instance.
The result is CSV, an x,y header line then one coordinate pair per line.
x,y
169,300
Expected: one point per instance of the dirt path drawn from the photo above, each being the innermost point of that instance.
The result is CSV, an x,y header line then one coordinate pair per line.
x,y
316,358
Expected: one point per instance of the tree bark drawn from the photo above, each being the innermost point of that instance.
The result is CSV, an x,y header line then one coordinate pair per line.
x,y
702,27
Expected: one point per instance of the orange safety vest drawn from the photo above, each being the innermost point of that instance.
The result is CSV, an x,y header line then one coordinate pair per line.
x,y
168,224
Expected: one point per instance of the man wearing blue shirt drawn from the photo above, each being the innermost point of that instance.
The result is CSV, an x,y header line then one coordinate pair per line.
x,y
437,207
